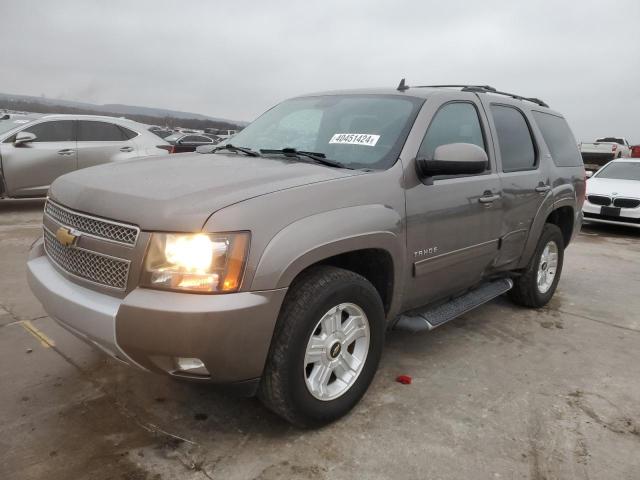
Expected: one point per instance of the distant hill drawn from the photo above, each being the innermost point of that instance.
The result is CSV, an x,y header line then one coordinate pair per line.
x,y
148,115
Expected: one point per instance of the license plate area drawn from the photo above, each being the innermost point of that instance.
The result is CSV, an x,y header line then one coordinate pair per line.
x,y
610,211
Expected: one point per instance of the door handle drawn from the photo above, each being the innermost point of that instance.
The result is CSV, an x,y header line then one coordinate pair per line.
x,y
126,149
543,188
489,198
66,151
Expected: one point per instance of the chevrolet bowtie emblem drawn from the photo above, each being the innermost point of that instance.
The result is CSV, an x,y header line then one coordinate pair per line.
x,y
66,237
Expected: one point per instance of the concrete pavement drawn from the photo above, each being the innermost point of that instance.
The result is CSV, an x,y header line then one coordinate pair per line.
x,y
500,393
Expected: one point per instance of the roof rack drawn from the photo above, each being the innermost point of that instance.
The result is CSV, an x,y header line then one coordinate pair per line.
x,y
474,88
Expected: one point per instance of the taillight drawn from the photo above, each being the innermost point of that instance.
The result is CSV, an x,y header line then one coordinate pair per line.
x,y
168,148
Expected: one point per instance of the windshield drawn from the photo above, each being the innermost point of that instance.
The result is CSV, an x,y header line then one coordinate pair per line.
x,y
621,171
11,123
358,131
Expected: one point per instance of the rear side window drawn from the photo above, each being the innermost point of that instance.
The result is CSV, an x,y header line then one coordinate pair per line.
x,y
453,123
196,139
514,137
59,131
128,134
91,131
558,137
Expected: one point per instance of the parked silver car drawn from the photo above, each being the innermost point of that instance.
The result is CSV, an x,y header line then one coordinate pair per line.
x,y
37,149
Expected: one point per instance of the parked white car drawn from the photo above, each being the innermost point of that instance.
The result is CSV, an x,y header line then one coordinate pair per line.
x,y
613,194
603,150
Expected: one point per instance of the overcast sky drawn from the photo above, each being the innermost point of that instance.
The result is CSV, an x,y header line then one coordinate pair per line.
x,y
234,59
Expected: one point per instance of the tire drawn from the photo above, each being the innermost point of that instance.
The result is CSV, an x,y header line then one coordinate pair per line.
x,y
526,290
285,387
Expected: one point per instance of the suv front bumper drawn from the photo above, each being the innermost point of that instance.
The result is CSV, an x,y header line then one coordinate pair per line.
x,y
151,329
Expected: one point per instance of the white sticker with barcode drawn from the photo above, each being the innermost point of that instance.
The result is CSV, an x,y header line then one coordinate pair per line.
x,y
355,139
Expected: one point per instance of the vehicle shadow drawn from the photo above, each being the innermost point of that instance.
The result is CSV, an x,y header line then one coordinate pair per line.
x,y
21,205
193,411
608,230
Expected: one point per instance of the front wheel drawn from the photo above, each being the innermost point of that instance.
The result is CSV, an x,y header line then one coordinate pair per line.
x,y
538,282
326,347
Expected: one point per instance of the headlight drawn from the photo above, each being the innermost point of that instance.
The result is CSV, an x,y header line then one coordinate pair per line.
x,y
209,263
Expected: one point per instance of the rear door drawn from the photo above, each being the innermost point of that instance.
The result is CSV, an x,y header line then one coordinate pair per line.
x,y
102,142
453,223
30,168
525,178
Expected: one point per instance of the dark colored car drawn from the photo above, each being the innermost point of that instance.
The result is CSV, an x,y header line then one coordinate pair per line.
x,y
188,142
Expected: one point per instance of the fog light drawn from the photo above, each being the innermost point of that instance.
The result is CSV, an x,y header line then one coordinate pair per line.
x,y
191,365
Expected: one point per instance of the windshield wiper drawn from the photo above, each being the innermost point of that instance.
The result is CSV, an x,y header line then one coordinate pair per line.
x,y
233,148
315,156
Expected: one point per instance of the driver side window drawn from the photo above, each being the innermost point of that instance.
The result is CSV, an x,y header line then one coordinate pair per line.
x,y
58,131
454,123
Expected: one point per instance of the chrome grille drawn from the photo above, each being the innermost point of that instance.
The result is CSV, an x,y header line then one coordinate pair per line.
x,y
105,229
97,268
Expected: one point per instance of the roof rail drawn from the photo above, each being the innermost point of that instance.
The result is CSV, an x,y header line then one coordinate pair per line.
x,y
474,88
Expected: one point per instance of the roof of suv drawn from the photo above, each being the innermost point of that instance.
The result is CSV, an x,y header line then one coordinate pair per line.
x,y
428,91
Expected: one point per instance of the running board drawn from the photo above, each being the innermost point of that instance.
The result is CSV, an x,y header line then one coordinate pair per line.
x,y
432,317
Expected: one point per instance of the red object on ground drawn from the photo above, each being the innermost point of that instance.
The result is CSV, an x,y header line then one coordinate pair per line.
x,y
404,379
635,151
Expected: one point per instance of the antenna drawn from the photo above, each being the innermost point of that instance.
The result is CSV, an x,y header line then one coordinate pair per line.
x,y
402,86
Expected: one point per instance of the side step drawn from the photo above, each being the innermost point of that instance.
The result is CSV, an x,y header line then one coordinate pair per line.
x,y
432,317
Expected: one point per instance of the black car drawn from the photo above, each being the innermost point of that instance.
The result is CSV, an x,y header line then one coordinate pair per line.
x,y
188,142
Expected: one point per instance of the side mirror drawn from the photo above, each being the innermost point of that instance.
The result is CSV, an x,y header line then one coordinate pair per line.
x,y
23,138
453,159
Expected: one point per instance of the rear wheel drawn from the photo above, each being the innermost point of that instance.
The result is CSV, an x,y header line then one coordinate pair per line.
x,y
326,347
538,282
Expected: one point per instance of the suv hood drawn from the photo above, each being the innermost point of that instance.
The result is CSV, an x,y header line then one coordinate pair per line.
x,y
179,192
613,187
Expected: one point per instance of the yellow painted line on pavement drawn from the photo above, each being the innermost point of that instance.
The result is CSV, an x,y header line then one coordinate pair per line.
x,y
44,340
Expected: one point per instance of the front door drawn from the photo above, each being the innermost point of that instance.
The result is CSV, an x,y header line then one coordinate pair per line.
x,y
30,168
453,223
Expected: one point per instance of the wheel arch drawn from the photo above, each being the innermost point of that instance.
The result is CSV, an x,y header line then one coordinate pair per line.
x,y
560,213
563,218
367,240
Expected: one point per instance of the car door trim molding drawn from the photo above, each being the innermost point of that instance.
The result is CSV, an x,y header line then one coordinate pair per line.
x,y
429,265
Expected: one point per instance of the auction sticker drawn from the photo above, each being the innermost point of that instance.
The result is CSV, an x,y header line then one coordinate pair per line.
x,y
355,139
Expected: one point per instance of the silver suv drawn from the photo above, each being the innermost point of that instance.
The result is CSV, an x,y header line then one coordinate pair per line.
x,y
37,149
277,261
